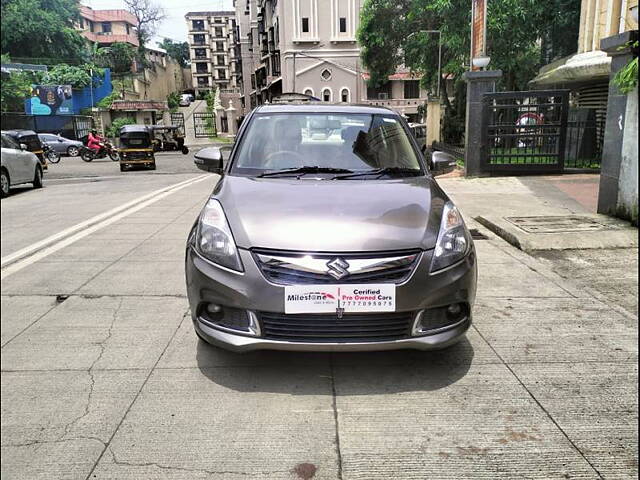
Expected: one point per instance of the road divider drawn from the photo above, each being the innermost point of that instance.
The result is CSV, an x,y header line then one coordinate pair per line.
x,y
39,250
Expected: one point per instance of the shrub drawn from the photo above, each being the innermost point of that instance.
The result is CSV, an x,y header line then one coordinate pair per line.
x,y
114,129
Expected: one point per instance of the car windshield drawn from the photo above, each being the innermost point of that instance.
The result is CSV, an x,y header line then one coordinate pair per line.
x,y
337,143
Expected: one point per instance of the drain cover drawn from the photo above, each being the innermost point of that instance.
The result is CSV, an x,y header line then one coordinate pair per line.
x,y
559,224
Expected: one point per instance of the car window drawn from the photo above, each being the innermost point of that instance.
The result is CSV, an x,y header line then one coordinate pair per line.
x,y
9,142
357,142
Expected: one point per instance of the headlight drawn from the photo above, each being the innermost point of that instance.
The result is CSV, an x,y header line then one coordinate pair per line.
x,y
214,240
452,244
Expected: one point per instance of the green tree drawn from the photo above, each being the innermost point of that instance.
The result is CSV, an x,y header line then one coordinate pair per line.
x,y
15,88
76,76
41,29
391,34
179,51
118,57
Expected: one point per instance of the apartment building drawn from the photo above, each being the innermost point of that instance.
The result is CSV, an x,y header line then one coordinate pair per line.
x,y
214,60
107,26
310,47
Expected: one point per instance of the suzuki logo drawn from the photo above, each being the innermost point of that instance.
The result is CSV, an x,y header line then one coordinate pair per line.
x,y
338,268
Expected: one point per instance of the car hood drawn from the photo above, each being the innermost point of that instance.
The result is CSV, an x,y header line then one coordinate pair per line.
x,y
332,216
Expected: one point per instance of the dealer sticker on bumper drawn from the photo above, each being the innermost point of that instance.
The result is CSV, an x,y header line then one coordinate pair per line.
x,y
339,298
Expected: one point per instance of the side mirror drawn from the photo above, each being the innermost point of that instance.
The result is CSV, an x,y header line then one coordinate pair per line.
x,y
442,163
24,147
209,160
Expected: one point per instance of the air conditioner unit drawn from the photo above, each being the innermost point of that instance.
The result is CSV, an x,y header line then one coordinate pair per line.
x,y
383,96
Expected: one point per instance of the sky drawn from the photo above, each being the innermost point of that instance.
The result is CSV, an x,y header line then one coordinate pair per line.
x,y
174,26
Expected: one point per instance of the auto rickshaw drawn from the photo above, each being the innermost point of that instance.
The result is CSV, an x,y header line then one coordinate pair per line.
x,y
168,138
136,147
32,141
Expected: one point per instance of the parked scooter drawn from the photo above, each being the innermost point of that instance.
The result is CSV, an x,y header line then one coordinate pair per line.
x,y
106,150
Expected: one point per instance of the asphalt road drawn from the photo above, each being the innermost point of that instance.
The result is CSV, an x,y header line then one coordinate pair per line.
x,y
104,378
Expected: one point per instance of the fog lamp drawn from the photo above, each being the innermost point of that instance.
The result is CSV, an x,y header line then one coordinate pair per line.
x,y
232,320
434,319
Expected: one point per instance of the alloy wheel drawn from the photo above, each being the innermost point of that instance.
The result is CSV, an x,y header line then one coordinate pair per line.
x,y
4,184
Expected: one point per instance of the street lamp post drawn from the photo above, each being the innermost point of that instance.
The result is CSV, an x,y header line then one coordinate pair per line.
x,y
439,32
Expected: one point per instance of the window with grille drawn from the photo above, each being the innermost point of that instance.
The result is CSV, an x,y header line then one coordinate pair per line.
x,y
411,89
343,25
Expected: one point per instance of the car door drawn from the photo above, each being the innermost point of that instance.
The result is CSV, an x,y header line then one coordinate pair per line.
x,y
17,162
61,144
51,140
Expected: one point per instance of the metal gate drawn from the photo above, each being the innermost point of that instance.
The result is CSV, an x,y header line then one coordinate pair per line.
x,y
204,124
82,125
177,119
525,132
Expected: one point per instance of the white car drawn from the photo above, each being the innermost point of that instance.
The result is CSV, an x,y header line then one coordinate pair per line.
x,y
18,166
185,100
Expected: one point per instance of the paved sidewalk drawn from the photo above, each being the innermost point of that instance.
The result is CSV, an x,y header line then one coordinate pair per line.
x,y
541,213
112,383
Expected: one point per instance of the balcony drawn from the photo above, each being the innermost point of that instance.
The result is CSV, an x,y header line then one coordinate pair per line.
x,y
109,38
401,105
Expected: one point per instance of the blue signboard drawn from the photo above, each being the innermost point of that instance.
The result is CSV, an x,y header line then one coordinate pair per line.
x,y
50,100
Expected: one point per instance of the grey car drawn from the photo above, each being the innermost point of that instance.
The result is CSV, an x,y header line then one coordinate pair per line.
x,y
62,145
327,232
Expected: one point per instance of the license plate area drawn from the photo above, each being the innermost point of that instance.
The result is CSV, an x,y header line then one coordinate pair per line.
x,y
347,298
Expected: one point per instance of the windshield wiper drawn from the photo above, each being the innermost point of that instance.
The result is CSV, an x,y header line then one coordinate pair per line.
x,y
380,172
299,171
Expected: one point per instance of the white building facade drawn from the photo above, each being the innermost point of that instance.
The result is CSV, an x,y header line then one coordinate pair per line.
x,y
310,47
212,44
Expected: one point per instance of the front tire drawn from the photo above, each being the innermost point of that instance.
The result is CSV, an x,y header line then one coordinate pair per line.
x,y
37,178
53,157
73,151
86,155
114,156
5,183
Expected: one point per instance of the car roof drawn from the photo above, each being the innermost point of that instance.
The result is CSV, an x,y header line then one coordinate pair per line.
x,y
135,128
18,132
323,108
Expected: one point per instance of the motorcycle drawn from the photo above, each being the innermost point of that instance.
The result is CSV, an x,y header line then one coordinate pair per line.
x,y
106,150
50,154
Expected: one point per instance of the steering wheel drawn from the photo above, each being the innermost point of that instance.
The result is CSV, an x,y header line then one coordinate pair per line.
x,y
269,158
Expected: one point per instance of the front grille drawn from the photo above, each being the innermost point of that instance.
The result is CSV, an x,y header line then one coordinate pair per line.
x,y
286,269
318,328
136,155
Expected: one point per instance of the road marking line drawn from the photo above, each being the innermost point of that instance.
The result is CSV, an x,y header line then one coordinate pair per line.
x,y
6,260
65,242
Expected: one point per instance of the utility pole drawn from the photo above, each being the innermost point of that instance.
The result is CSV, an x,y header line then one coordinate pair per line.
x,y
295,73
91,86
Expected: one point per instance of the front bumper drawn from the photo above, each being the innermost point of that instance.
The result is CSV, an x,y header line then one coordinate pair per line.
x,y
249,290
